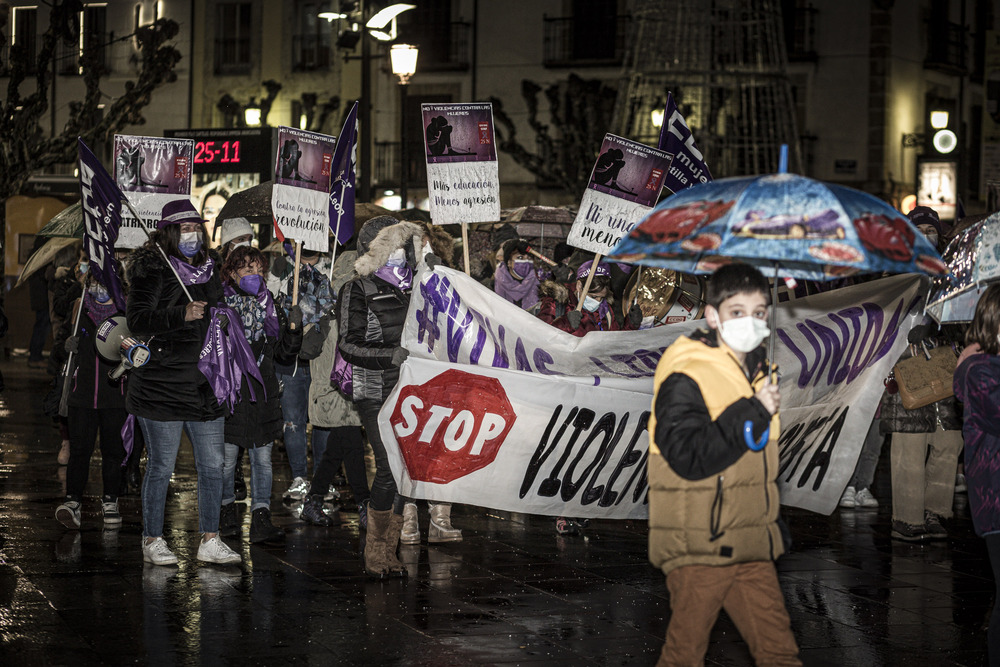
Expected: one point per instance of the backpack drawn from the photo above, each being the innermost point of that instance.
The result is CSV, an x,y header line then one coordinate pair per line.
x,y
342,375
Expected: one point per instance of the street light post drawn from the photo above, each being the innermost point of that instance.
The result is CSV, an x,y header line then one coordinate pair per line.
x,y
404,64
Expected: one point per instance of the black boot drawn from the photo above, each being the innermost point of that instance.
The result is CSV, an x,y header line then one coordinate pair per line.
x,y
312,512
261,528
239,484
229,521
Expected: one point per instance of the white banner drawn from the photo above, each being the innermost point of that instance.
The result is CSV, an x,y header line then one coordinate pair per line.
x,y
624,186
463,181
300,197
498,409
151,171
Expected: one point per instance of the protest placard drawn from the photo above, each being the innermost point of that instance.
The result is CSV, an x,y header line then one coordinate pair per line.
x,y
150,171
300,196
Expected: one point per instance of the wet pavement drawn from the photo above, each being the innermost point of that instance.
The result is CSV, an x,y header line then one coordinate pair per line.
x,y
513,592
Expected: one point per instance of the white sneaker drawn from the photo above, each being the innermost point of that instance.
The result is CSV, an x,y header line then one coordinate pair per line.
x,y
217,551
157,552
111,515
298,490
849,499
68,514
331,495
864,498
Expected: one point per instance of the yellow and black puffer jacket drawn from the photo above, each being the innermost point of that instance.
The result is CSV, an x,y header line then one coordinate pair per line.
x,y
713,501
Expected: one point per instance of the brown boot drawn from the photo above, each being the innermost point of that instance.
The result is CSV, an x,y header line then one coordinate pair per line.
x,y
379,522
396,568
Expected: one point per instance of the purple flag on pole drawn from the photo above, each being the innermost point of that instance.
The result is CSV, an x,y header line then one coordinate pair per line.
x,y
345,158
128,438
688,165
102,216
226,358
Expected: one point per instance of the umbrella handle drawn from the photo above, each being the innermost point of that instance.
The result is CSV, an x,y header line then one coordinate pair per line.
x,y
753,445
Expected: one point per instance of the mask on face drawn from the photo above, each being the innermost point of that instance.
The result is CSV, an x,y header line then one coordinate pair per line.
x,y
250,283
239,244
397,258
100,294
743,334
84,267
190,244
933,238
522,267
590,303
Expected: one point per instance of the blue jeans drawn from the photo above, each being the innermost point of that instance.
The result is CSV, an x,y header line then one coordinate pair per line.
x,y
163,440
295,412
260,475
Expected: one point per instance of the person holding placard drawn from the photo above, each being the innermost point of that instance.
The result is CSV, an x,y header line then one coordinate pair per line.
x,y
559,308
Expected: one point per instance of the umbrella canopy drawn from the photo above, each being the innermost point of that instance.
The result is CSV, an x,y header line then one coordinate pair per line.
x,y
67,223
254,202
41,257
973,256
800,227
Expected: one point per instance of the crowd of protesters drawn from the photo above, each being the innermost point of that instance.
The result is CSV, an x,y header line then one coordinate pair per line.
x,y
322,364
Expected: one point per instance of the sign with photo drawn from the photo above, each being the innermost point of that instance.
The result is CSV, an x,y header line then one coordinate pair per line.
x,y
300,196
463,180
150,171
624,186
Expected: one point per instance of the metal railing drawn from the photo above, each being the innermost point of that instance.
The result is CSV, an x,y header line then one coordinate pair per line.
x,y
945,48
568,41
96,46
386,168
311,53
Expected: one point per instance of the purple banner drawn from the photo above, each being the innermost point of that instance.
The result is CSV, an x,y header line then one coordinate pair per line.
x,y
226,358
629,170
458,133
345,159
102,217
688,166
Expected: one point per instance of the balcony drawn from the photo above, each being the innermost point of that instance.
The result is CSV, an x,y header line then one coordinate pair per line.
x,y
442,50
946,49
573,42
386,168
311,53
232,56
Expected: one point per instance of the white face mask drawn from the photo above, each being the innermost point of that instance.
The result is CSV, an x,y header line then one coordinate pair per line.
x,y
238,244
590,303
743,334
397,258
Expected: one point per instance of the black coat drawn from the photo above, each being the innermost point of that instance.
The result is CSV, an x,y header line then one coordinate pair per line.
x,y
169,387
371,314
260,422
90,386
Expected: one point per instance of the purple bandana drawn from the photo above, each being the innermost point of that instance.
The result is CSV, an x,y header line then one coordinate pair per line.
x,y
193,275
514,290
264,301
98,312
398,276
225,358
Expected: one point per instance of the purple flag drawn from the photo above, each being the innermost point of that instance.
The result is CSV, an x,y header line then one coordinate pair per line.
x,y
102,216
226,358
688,165
345,158
128,438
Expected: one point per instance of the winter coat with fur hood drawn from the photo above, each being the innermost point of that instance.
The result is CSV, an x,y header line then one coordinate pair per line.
x,y
556,300
371,313
169,387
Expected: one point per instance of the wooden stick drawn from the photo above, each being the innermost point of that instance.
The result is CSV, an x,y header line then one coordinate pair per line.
x,y
590,279
295,277
465,246
532,251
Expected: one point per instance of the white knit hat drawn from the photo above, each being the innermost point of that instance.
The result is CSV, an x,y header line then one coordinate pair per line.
x,y
233,227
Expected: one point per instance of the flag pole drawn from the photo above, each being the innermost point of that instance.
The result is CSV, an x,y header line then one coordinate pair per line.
x,y
465,247
68,375
142,226
295,277
590,279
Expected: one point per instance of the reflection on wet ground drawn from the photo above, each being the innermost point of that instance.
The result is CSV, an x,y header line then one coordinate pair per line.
x,y
512,593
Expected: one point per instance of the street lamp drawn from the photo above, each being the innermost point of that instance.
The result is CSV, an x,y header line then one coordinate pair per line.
x,y
404,65
252,113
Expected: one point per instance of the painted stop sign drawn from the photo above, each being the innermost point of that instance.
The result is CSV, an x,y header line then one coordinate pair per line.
x,y
451,425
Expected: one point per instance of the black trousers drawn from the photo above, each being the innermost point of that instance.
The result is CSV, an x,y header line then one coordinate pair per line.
x,y
993,634
345,445
84,425
384,485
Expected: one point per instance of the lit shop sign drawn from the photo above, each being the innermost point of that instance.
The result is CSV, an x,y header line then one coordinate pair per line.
x,y
230,151
937,186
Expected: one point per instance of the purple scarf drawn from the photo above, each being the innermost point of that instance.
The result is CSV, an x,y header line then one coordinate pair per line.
x,y
514,290
264,301
98,312
226,357
397,276
192,275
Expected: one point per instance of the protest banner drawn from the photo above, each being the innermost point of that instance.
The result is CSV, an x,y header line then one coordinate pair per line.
x,y
498,409
463,181
150,171
687,164
300,196
624,186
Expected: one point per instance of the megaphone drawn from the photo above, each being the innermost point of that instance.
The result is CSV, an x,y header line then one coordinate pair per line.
x,y
114,342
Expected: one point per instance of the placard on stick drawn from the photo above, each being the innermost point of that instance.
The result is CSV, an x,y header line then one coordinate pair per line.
x,y
300,197
150,171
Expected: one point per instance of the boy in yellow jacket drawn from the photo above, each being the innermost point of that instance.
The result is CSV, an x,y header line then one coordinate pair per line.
x,y
713,460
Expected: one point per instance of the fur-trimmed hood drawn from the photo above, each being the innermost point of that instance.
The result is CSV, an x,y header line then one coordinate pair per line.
x,y
554,291
390,238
